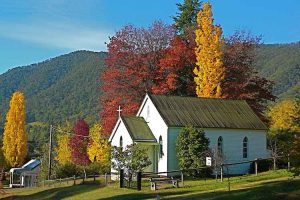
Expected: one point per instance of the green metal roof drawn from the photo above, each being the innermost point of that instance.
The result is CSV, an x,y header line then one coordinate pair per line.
x,y
138,129
206,112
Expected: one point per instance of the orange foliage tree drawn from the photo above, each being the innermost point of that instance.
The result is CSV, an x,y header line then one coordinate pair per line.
x,y
132,69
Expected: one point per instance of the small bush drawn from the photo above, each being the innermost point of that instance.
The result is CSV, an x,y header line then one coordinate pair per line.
x,y
67,170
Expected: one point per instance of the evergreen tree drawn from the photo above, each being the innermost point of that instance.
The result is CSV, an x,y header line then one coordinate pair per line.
x,y
15,137
185,21
191,146
209,72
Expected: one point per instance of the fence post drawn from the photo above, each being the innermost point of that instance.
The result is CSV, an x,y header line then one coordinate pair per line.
x,y
289,163
221,172
121,178
256,166
74,179
182,179
228,179
139,181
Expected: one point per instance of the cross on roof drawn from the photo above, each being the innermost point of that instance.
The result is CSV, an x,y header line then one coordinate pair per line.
x,y
119,110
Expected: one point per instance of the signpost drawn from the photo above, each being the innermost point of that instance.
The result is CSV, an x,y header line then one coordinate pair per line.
x,y
208,161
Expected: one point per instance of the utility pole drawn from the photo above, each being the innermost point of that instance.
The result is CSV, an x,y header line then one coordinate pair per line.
x,y
50,153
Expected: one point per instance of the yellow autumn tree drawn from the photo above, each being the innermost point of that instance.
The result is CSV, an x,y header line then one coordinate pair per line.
x,y
209,72
283,116
14,136
99,148
63,150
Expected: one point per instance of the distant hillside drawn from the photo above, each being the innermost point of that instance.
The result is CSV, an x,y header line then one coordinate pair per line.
x,y
281,64
67,87
58,89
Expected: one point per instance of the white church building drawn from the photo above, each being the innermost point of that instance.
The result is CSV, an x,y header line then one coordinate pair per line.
x,y
230,125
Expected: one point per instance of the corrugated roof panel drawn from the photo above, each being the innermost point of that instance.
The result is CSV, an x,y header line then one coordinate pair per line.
x,y
138,128
206,112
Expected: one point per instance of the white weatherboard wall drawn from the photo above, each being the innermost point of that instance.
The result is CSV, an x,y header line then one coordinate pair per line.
x,y
158,128
232,146
121,131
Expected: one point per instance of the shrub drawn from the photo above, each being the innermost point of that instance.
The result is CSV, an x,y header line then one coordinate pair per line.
x,y
67,170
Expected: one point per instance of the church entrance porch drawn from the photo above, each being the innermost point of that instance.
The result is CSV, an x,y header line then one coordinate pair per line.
x,y
152,152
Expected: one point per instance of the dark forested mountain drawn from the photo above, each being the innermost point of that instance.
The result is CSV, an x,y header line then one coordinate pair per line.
x,y
67,87
58,89
281,64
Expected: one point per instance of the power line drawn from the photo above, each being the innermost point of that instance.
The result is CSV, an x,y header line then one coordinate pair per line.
x,y
70,133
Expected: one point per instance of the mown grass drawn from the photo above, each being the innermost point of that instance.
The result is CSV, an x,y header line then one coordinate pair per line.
x,y
269,185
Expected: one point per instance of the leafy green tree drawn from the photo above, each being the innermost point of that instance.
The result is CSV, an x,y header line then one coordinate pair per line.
x,y
185,20
133,159
192,147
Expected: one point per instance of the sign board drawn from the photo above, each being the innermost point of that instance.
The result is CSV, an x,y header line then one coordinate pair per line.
x,y
208,161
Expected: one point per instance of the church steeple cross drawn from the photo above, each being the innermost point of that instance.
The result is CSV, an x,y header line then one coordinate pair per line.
x,y
119,110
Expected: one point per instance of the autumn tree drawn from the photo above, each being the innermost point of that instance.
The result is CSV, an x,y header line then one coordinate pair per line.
x,y
14,136
63,150
283,115
209,72
241,79
132,62
284,134
99,148
79,143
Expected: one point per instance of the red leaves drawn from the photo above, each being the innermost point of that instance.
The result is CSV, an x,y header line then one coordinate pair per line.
x,y
78,143
241,79
154,60
132,69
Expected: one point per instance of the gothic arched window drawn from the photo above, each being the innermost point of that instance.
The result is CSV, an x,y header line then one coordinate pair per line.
x,y
220,145
245,147
160,147
121,141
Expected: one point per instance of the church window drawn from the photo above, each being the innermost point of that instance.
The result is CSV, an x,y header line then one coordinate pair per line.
x,y
121,141
160,147
220,145
245,147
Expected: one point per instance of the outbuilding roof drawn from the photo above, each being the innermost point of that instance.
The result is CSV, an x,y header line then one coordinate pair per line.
x,y
138,129
206,112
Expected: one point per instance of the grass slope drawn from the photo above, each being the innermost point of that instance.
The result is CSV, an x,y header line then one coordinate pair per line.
x,y
269,185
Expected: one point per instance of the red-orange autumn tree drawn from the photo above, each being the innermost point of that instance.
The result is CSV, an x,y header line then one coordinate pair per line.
x,y
241,79
178,62
132,69
79,143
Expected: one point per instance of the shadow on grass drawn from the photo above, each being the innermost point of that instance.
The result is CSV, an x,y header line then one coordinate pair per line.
x,y
281,190
58,193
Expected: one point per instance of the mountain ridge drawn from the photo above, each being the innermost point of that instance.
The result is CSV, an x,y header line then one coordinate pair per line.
x,y
67,87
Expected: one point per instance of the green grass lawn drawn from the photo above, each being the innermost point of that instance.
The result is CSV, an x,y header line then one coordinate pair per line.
x,y
269,185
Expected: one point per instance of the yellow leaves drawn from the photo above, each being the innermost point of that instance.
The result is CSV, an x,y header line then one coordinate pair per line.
x,y
210,70
63,151
99,148
14,136
283,114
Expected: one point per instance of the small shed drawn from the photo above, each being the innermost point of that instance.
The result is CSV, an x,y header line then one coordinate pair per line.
x,y
25,176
